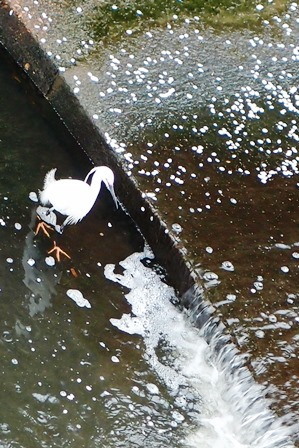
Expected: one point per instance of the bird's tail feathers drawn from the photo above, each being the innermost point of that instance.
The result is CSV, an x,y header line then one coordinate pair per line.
x,y
71,220
49,177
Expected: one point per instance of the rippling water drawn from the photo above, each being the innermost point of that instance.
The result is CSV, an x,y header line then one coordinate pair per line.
x,y
230,406
129,369
207,122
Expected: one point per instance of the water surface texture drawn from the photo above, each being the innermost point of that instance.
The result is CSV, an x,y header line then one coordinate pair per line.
x,y
206,120
93,350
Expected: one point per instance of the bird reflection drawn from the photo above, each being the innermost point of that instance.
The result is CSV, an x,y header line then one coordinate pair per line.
x,y
40,278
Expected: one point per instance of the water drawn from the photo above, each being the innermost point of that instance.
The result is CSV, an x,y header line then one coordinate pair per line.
x,y
129,369
215,372
58,360
207,122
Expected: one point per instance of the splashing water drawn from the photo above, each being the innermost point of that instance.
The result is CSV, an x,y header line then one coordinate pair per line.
x,y
231,408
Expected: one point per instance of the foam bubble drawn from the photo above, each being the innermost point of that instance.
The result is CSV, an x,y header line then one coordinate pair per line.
x,y
232,410
78,298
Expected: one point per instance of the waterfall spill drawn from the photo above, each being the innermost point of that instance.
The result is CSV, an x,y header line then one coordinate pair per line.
x,y
230,408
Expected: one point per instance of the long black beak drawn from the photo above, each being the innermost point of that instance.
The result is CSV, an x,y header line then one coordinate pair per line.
x,y
112,192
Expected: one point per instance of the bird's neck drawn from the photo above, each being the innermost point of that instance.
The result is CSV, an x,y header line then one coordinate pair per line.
x,y
95,188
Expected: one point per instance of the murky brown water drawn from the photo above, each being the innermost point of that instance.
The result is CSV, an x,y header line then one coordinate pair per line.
x,y
98,375
222,167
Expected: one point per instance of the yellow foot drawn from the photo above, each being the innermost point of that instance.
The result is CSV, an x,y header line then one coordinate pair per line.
x,y
43,226
58,251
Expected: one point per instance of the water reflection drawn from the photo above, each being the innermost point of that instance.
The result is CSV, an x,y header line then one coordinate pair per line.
x,y
40,278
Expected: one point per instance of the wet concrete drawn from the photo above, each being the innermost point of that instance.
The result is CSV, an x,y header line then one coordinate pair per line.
x,y
211,142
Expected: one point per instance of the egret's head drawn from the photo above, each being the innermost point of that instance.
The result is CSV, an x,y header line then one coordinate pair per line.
x,y
105,174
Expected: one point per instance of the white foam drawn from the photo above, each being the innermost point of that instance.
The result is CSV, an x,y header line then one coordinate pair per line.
x,y
233,412
78,298
33,196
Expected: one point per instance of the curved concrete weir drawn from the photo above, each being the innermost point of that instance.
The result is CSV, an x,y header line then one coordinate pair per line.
x,y
200,128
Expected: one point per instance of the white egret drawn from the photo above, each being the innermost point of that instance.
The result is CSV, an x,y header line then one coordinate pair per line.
x,y
75,198
72,197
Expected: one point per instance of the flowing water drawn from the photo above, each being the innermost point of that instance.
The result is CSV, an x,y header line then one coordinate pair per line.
x,y
207,122
128,369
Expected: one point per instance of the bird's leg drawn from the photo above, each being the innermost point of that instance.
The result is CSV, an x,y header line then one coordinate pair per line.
x,y
42,226
58,251
65,222
51,209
